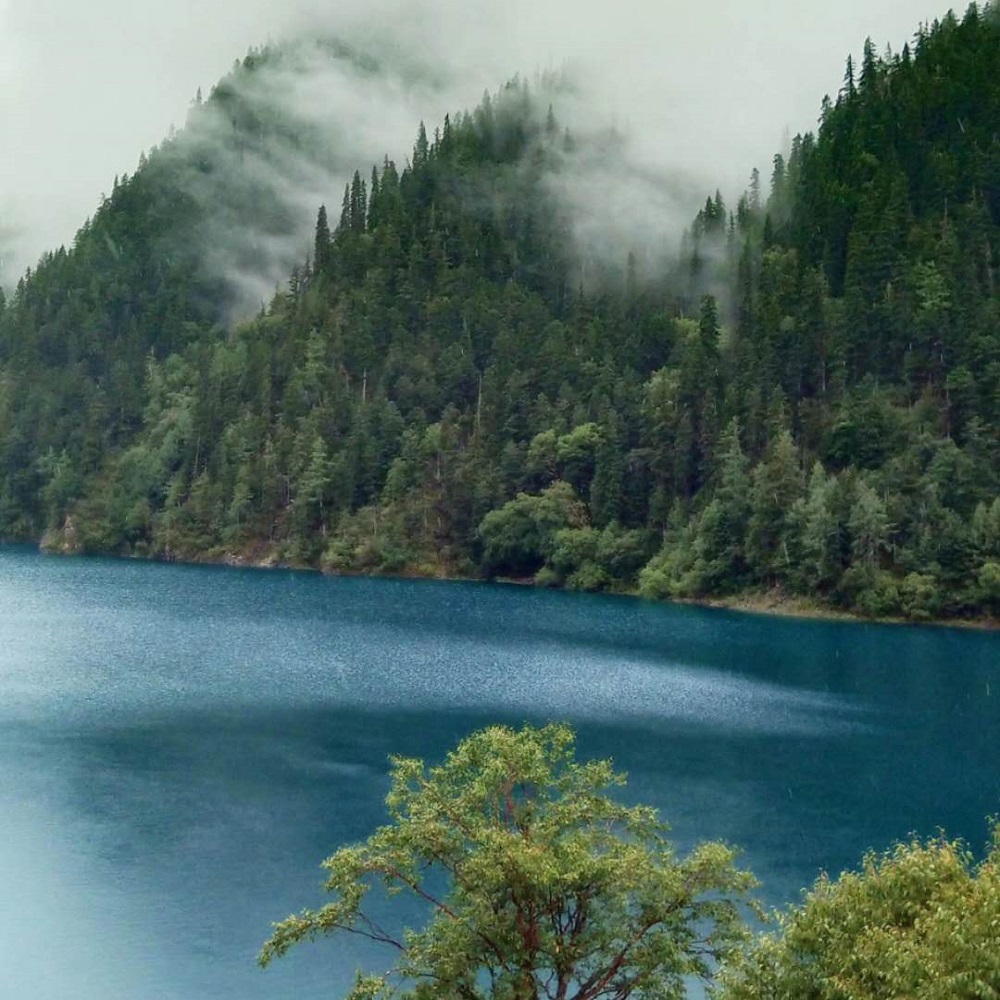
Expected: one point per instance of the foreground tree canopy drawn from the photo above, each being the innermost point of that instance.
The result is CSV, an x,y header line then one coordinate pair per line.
x,y
921,922
552,889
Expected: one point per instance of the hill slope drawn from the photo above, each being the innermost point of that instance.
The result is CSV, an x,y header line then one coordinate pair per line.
x,y
435,392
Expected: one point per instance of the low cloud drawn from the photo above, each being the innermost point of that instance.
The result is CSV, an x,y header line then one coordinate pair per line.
x,y
699,93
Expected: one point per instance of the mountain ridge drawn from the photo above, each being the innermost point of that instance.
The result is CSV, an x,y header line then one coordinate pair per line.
x,y
439,389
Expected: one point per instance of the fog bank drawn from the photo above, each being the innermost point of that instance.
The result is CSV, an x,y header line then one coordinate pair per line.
x,y
703,92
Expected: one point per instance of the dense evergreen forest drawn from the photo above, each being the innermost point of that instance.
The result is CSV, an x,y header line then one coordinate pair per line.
x,y
808,402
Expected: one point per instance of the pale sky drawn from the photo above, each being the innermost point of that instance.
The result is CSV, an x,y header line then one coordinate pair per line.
x,y
709,89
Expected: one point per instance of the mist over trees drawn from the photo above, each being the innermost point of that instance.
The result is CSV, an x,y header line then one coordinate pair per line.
x,y
806,400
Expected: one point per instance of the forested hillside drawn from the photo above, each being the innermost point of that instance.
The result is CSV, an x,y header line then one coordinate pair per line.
x,y
809,401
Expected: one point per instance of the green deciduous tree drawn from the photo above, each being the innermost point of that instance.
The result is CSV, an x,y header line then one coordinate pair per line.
x,y
921,922
551,889
521,535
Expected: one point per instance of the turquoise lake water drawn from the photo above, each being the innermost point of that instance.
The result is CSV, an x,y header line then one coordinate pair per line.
x,y
181,746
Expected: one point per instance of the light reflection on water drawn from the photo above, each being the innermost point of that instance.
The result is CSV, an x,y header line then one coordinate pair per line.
x,y
180,747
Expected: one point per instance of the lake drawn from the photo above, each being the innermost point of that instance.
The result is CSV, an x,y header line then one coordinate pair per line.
x,y
181,746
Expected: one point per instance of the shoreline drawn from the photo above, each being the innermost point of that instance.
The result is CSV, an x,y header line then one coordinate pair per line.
x,y
773,603
780,605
